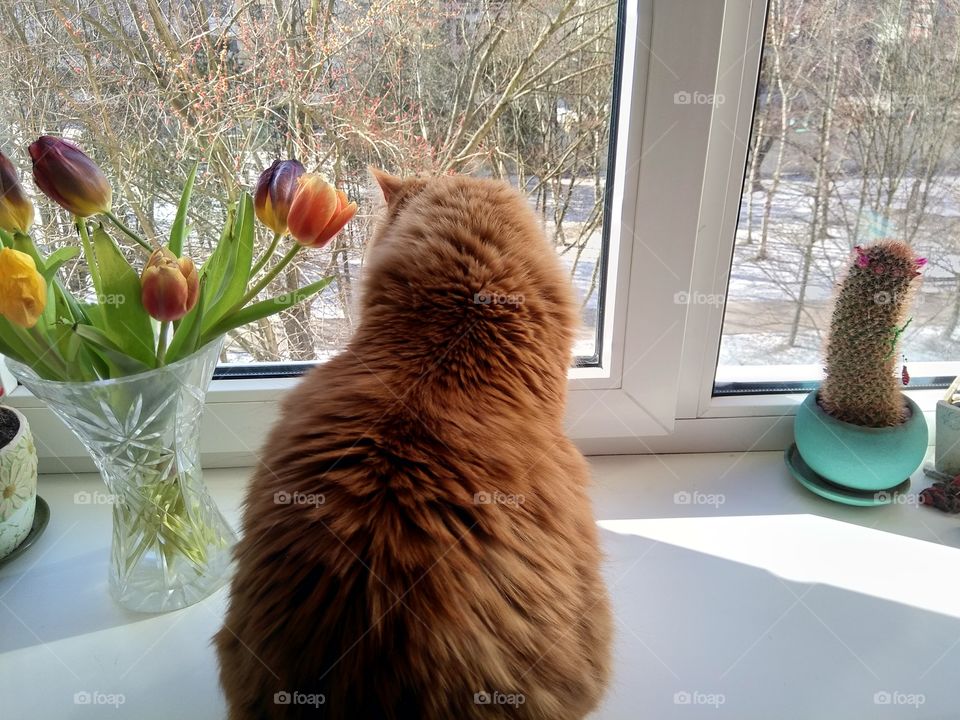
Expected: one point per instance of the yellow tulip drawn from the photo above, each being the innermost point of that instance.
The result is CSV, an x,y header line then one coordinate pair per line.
x,y
16,210
23,291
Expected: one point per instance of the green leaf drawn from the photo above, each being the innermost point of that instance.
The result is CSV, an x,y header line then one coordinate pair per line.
x,y
238,263
49,317
215,266
57,259
178,232
6,239
71,343
89,255
43,358
104,346
93,362
24,243
11,345
187,334
67,305
124,319
263,309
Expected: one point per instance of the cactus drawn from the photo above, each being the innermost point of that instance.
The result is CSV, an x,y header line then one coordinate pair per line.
x,y
861,385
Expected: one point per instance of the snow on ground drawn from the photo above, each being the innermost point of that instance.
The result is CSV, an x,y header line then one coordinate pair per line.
x,y
762,295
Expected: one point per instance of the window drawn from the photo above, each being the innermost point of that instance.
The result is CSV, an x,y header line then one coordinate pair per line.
x,y
855,137
522,91
640,131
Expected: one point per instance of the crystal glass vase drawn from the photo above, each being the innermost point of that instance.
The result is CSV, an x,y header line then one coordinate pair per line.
x,y
171,546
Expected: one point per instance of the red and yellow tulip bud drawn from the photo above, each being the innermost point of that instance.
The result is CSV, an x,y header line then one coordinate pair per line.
x,y
23,291
68,177
16,210
318,211
275,191
169,286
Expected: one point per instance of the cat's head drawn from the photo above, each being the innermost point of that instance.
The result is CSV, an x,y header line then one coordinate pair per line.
x,y
394,194
454,257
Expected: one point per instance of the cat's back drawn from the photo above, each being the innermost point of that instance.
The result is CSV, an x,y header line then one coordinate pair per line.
x,y
417,537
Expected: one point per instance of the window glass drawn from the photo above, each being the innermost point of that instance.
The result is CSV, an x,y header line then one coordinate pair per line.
x,y
855,138
517,90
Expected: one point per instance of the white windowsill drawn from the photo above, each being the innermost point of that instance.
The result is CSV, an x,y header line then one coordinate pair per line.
x,y
785,605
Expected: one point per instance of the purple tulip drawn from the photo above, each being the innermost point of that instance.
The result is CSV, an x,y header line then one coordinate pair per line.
x,y
68,177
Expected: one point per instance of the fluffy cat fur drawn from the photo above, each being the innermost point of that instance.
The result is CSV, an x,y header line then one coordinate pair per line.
x,y
438,541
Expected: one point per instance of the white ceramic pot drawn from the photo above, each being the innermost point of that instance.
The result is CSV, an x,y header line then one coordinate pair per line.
x,y
18,486
947,456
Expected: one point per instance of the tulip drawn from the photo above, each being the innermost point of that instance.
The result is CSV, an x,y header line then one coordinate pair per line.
x,y
169,286
23,291
318,211
275,190
16,210
68,177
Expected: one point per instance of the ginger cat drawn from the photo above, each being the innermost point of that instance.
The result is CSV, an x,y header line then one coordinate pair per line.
x,y
417,539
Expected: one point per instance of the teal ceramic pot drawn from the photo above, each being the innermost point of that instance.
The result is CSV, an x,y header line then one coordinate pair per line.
x,y
18,486
862,458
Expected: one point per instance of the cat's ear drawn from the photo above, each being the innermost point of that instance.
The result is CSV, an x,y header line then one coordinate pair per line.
x,y
389,184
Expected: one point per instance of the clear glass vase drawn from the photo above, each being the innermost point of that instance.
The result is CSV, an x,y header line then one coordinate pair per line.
x,y
171,545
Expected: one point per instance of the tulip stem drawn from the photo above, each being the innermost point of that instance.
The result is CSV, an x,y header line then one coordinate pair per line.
x,y
88,255
267,255
162,343
128,232
268,278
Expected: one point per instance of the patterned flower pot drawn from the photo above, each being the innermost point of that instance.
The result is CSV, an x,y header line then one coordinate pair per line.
x,y
18,480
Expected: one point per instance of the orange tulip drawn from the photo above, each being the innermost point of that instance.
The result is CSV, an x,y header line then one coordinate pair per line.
x,y
318,211
68,177
169,286
16,210
23,291
275,191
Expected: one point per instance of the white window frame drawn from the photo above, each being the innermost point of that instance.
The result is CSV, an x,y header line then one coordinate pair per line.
x,y
679,176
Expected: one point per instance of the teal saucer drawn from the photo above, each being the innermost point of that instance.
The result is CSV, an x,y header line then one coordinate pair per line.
x,y
838,493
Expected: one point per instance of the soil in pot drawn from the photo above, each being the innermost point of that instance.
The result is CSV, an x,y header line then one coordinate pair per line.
x,y
9,426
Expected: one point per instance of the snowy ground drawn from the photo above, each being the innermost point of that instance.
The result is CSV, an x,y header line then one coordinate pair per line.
x,y
331,322
762,296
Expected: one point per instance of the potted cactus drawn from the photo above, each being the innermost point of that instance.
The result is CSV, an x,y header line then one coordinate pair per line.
x,y
858,436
